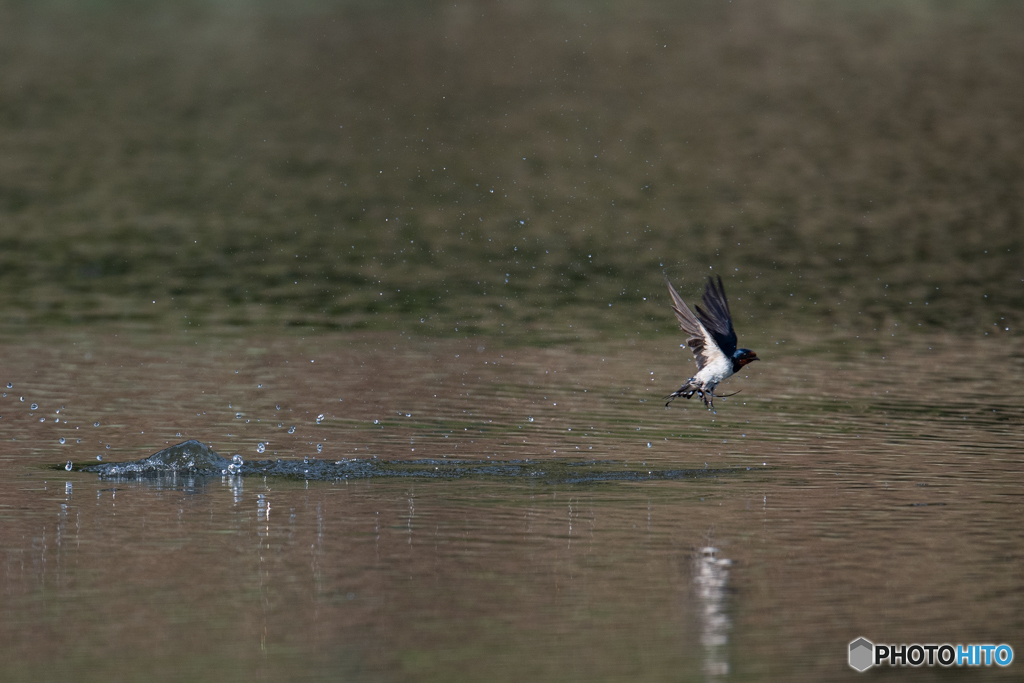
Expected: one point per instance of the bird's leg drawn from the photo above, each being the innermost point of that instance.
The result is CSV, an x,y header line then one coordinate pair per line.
x,y
708,397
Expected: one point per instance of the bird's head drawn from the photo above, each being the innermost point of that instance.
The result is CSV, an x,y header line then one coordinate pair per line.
x,y
743,356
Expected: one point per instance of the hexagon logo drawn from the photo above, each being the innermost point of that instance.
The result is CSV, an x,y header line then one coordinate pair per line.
x,y
862,652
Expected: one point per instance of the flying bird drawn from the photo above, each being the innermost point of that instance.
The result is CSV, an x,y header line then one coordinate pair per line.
x,y
712,340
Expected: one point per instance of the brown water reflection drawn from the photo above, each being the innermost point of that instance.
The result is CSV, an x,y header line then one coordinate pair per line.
x,y
883,501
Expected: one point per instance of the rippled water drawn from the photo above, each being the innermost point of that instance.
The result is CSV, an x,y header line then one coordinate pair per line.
x,y
402,266
882,499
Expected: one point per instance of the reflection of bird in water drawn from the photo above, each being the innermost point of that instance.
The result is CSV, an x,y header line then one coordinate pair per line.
x,y
711,574
712,340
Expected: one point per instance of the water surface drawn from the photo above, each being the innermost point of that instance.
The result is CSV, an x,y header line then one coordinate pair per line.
x,y
405,236
882,499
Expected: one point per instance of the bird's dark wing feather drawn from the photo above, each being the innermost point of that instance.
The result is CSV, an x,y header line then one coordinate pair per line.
x,y
703,344
716,318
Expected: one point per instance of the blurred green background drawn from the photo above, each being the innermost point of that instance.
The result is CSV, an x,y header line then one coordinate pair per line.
x,y
511,167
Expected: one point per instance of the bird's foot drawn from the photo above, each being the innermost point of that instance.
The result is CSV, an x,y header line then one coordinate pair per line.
x,y
709,399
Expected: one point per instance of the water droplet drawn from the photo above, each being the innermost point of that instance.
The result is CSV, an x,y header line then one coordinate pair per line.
x,y
95,424
376,422
279,407
100,458
260,447
178,434
68,466
530,419
319,447
62,440
34,406
648,444
291,430
232,468
236,460
238,415
259,386
319,418
42,419
21,398
10,386
408,414
305,461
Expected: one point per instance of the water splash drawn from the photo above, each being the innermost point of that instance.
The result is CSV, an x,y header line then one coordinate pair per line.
x,y
196,459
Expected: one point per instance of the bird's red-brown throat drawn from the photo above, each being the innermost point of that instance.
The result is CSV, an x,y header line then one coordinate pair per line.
x,y
743,357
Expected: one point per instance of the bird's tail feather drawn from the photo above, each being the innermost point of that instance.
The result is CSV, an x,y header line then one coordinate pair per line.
x,y
690,388
686,391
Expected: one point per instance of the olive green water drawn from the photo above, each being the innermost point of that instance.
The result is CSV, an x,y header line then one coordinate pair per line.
x,y
445,228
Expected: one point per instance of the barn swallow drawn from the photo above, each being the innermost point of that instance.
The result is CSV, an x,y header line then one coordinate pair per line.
x,y
712,340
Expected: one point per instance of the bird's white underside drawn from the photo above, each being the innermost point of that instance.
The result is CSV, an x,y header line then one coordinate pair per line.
x,y
717,366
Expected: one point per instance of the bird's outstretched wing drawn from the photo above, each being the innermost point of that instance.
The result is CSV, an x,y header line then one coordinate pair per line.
x,y
715,316
703,343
